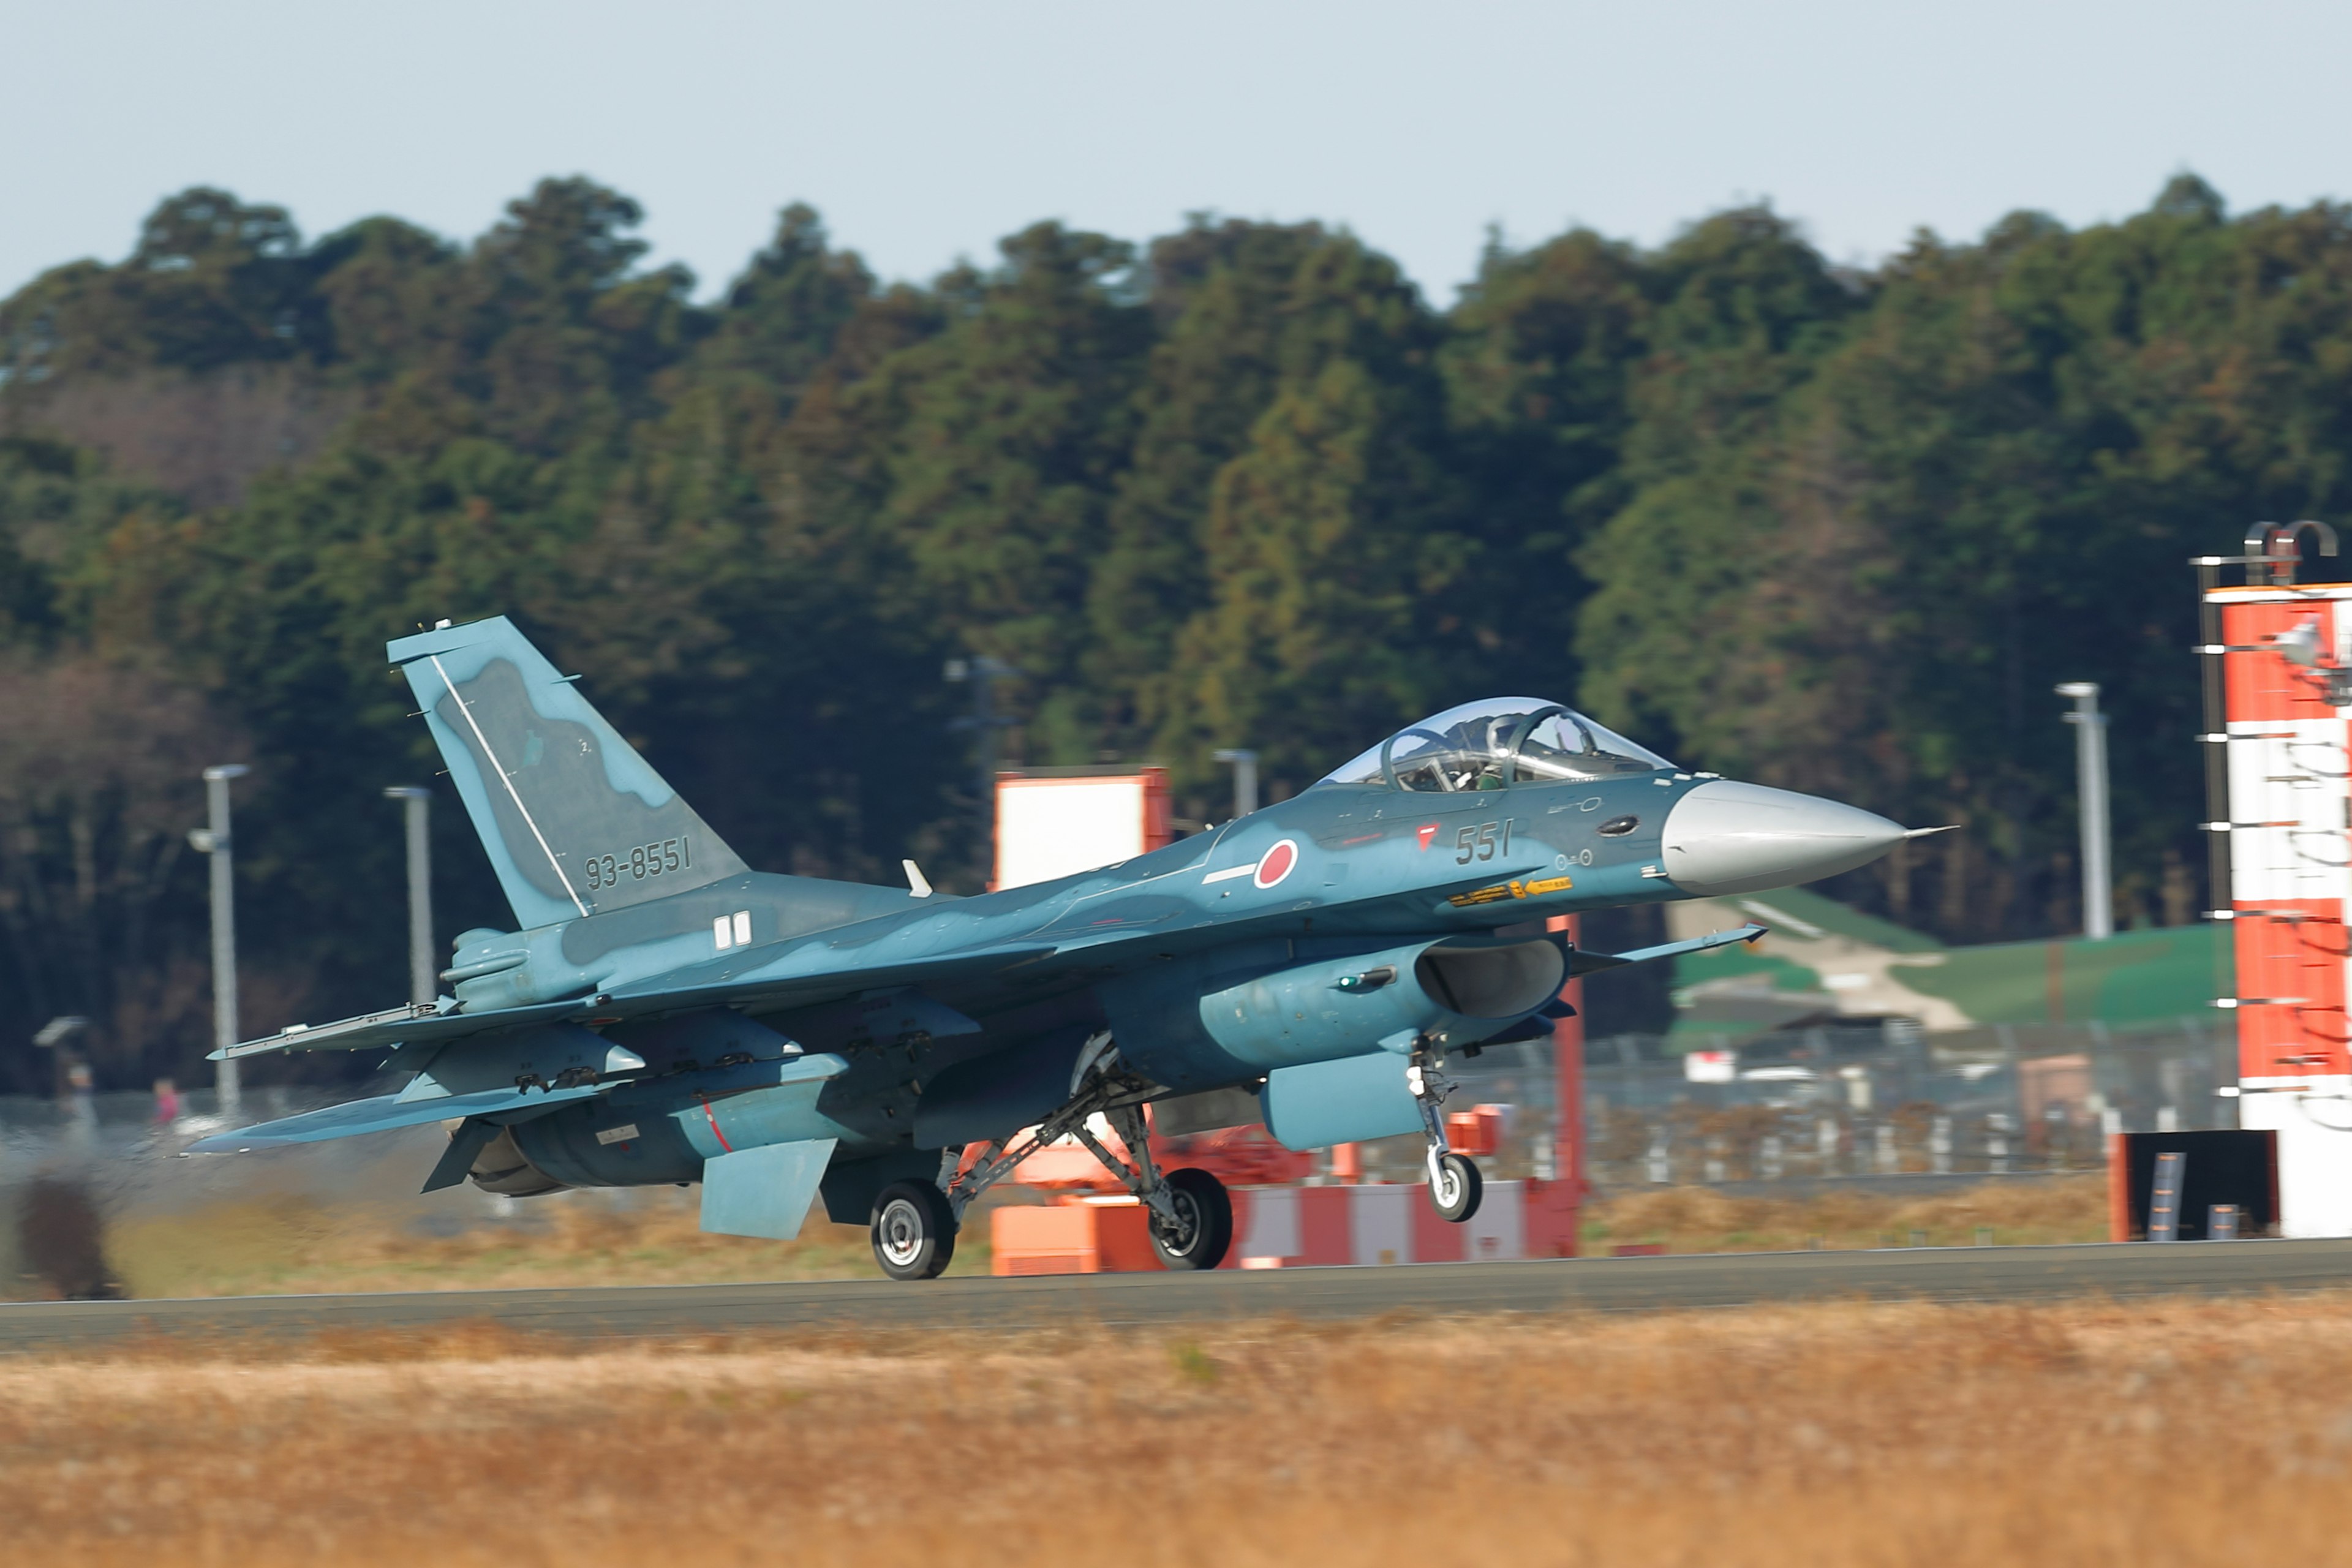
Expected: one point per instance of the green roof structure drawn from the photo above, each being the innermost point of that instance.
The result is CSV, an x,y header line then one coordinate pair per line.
x,y
1823,962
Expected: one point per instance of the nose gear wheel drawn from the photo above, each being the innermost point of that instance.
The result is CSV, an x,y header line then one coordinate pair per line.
x,y
1454,1182
1455,1187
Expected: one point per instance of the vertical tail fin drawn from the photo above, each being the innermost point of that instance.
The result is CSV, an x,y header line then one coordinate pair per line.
x,y
574,821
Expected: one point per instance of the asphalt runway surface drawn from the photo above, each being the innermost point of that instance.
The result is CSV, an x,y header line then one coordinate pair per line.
x,y
1612,1284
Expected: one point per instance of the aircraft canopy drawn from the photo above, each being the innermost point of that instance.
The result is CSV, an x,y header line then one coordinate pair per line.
x,y
1496,743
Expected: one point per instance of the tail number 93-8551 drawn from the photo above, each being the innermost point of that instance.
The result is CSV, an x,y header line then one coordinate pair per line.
x,y
639,861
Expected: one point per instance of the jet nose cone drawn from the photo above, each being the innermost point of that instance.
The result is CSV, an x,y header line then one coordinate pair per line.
x,y
1727,838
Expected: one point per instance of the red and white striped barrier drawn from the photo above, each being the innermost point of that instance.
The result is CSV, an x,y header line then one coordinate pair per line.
x,y
1294,1228
1277,1227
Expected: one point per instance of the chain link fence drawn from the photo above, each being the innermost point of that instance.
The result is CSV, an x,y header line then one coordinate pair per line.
x,y
1853,1105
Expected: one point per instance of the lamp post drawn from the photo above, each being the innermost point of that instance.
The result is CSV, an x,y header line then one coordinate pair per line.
x,y
417,803
2091,785
984,721
214,840
1244,779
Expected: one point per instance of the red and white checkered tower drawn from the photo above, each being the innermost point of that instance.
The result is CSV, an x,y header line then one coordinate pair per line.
x,y
2278,657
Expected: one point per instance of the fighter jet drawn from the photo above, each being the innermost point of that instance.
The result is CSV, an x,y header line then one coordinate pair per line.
x,y
664,1014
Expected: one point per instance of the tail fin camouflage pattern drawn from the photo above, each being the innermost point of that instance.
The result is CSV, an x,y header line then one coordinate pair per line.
x,y
574,821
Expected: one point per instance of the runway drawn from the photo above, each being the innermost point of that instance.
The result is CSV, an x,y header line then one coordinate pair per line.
x,y
1608,1285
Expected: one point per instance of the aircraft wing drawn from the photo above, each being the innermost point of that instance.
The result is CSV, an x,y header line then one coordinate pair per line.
x,y
385,1112
396,1026
806,977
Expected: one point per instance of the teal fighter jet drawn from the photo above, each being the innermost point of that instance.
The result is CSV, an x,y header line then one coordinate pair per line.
x,y
662,1012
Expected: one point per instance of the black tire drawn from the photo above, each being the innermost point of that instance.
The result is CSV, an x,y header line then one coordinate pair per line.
x,y
1455,1192
1206,1210
913,1230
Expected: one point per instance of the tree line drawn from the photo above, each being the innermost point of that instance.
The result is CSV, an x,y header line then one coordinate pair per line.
x,y
1243,484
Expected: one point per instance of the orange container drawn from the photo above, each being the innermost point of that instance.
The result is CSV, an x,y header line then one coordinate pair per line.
x,y
1478,1132
1075,1236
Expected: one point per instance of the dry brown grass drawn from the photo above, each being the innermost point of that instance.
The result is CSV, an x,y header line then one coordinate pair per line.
x,y
1701,1219
2181,1432
274,1246
267,1245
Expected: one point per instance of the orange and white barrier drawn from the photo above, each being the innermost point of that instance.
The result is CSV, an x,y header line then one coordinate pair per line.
x,y
1294,1227
2289,804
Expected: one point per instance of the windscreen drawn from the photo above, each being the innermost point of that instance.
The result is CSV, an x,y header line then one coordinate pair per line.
x,y
1496,743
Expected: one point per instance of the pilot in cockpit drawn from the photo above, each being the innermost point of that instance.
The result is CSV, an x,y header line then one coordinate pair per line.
x,y
1493,744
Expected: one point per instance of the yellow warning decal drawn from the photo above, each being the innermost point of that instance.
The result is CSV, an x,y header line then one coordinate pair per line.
x,y
1501,890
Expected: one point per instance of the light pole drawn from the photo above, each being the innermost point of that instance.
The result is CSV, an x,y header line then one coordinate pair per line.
x,y
419,807
1244,779
214,840
984,721
2091,784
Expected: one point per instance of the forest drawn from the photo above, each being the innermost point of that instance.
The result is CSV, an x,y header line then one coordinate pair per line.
x,y
1243,484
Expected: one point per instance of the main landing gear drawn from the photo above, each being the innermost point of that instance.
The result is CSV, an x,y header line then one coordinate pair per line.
x,y
1190,1213
914,1230
1455,1183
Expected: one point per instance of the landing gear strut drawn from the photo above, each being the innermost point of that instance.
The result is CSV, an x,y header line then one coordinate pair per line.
x,y
1190,1213
1455,1183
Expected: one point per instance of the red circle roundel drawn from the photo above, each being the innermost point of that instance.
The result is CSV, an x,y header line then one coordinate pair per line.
x,y
1277,863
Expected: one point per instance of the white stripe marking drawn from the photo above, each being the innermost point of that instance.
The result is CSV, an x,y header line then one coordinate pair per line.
x,y
1229,873
484,740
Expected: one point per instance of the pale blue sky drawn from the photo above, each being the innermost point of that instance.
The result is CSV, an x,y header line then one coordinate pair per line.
x,y
924,132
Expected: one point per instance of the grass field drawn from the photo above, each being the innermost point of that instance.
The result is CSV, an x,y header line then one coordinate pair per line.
x,y
2003,1212
2178,1433
264,1246
250,1244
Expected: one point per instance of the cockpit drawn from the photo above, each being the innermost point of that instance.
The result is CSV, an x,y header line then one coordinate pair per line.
x,y
1493,744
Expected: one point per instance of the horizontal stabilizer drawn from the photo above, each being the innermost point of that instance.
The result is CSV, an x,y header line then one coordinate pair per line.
x,y
386,1114
1584,962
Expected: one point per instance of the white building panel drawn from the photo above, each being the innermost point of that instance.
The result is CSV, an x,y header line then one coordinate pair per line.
x,y
2315,1152
1057,827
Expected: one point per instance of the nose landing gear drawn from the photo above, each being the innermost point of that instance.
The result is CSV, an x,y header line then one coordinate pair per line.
x,y
1454,1186
1455,1183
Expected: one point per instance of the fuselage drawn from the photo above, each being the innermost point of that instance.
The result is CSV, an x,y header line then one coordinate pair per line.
x,y
1196,955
